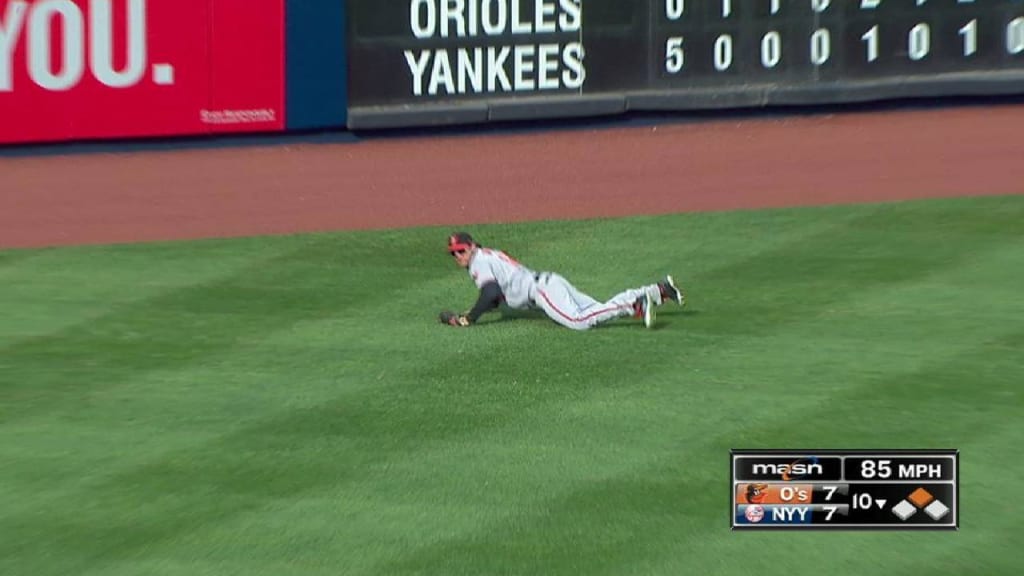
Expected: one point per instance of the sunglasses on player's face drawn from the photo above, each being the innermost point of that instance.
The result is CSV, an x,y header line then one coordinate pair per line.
x,y
457,253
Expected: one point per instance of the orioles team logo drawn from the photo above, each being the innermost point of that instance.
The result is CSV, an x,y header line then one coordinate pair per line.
x,y
756,493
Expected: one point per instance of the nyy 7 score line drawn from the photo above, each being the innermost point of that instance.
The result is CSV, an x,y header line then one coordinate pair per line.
x,y
890,489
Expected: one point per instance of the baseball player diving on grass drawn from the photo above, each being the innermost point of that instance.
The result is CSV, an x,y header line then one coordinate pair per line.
x,y
501,279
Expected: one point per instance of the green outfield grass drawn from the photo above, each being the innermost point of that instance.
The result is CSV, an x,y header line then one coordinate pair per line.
x,y
289,405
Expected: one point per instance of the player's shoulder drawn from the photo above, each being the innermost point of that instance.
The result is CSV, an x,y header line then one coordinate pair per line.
x,y
485,255
480,260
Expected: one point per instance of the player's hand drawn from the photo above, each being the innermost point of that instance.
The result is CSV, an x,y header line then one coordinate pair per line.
x,y
452,319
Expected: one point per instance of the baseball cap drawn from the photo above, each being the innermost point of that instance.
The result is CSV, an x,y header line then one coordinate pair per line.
x,y
460,241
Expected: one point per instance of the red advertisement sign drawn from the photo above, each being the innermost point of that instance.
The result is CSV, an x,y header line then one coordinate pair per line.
x,y
77,69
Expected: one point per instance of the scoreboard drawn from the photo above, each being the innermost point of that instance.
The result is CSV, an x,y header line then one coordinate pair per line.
x,y
448,61
801,51
845,489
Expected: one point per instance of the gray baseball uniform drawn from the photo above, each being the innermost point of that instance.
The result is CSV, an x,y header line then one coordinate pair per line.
x,y
525,288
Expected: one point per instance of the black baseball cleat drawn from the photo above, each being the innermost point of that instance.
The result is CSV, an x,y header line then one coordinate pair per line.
x,y
669,291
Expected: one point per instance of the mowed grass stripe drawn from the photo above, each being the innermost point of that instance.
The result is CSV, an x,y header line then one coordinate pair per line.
x,y
461,411
162,385
171,408
283,457
658,509
189,325
49,290
803,428
861,413
452,468
963,342
877,246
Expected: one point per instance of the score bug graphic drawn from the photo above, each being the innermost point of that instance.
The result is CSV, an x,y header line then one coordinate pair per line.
x,y
844,489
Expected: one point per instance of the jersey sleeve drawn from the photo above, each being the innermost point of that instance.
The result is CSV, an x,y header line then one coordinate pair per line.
x,y
489,299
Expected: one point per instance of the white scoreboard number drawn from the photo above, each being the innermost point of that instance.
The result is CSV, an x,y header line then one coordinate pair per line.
x,y
1015,35
776,46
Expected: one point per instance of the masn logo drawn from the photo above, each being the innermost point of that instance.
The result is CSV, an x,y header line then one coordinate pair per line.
x,y
791,471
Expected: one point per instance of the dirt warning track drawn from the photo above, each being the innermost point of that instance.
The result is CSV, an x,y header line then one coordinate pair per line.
x,y
499,177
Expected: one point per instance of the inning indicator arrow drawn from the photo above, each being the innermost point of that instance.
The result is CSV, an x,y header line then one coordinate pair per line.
x,y
881,503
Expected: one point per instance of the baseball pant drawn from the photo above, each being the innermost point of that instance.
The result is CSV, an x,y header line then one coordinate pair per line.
x,y
564,304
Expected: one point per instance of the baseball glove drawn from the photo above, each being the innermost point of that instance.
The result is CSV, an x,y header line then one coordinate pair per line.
x,y
452,319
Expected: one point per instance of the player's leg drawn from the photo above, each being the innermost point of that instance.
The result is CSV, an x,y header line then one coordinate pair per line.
x,y
564,304
557,299
642,299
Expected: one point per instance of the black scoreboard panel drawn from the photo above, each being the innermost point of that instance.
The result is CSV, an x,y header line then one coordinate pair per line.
x,y
806,51
418,61
441,61
610,32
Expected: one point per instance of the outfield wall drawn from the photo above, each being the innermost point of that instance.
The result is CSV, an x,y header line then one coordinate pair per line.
x,y
99,69
86,69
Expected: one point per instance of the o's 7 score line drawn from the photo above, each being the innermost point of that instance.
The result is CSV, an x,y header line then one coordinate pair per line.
x,y
844,489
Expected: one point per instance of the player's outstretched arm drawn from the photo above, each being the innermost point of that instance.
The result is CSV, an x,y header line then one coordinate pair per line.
x,y
489,299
